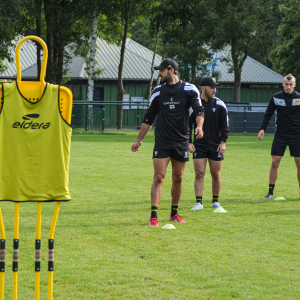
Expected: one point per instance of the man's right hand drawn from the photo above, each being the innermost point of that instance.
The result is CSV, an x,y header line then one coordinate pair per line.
x,y
261,134
192,148
136,146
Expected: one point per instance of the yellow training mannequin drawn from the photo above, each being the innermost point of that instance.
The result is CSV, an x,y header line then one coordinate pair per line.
x,y
33,91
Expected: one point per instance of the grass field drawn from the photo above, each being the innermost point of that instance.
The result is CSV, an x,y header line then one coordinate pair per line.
x,y
104,248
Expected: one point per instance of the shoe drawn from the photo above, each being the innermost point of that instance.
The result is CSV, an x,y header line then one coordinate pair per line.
x,y
177,218
197,206
268,197
216,205
153,222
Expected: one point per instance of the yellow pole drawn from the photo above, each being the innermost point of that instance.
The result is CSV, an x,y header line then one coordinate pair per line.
x,y
16,252
51,251
2,256
38,250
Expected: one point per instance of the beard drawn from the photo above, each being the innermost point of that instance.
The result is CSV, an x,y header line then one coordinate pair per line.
x,y
166,79
207,94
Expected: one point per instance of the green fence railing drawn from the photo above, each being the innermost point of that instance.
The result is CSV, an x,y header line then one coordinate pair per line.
x,y
98,115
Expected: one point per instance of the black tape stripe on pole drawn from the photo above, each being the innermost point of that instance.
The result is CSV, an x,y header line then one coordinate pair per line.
x,y
51,255
16,255
2,255
37,255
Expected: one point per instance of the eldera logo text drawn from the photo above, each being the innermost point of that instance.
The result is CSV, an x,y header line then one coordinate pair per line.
x,y
30,124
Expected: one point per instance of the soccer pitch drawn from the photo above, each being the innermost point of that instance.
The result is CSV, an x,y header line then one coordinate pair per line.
x,y
104,248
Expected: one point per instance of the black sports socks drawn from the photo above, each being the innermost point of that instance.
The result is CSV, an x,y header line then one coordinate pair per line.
x,y
154,209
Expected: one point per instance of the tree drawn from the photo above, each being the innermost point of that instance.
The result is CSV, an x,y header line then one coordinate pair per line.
x,y
13,22
130,10
98,17
241,25
60,16
158,27
286,56
186,37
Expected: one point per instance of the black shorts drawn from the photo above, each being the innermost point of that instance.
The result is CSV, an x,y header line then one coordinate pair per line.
x,y
280,143
205,151
178,151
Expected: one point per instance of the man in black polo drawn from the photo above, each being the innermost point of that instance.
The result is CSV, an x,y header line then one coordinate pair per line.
x,y
170,102
212,145
287,105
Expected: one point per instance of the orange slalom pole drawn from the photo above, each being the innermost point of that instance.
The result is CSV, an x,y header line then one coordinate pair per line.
x,y
16,252
2,256
51,251
38,250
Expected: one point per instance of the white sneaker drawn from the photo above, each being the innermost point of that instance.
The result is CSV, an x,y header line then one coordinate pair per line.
x,y
216,205
268,197
197,206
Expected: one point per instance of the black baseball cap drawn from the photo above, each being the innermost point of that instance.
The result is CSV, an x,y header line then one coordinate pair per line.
x,y
167,63
209,81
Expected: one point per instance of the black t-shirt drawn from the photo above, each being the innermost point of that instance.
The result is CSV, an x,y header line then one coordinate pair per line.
x,y
288,114
215,127
171,104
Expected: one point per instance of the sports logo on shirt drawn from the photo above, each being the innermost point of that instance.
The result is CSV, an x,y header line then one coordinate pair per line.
x,y
279,102
31,124
296,102
214,109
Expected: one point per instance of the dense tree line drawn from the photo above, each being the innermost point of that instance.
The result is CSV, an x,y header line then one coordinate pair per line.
x,y
190,31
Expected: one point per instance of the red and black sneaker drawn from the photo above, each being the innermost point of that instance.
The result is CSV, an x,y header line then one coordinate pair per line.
x,y
153,222
177,218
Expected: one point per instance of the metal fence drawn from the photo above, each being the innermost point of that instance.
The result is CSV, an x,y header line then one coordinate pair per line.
x,y
247,118
243,118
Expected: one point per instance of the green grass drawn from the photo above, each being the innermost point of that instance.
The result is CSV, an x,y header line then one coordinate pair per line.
x,y
104,248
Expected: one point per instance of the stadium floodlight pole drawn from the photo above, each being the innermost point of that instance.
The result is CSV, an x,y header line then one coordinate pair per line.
x,y
16,251
2,256
38,250
51,251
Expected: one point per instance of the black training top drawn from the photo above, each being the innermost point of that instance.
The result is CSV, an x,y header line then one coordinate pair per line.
x,y
215,127
288,114
171,104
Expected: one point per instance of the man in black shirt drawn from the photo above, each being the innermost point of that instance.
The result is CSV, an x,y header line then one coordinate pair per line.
x,y
170,102
212,145
287,105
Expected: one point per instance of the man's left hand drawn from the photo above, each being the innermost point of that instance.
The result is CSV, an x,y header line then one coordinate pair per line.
x,y
221,149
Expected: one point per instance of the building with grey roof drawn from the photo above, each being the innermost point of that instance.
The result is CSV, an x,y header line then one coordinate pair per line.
x,y
137,64
253,72
136,72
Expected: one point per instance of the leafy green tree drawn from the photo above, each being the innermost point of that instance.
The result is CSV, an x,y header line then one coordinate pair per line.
x,y
241,25
14,20
186,37
143,33
286,56
129,11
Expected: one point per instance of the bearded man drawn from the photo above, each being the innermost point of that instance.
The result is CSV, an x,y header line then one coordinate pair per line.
x,y
212,145
170,102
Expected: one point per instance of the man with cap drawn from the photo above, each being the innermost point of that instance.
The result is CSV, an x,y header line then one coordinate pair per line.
x,y
170,102
212,145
